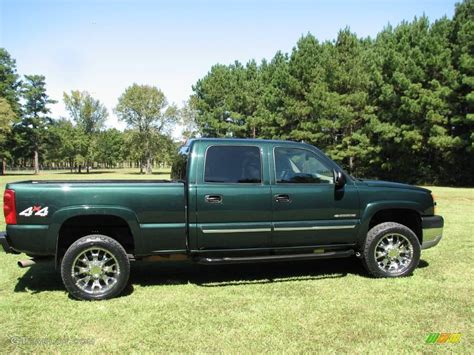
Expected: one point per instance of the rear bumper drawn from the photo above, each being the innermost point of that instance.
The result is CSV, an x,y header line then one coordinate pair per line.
x,y
432,231
5,245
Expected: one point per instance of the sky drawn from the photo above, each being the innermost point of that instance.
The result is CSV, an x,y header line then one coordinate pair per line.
x,y
104,46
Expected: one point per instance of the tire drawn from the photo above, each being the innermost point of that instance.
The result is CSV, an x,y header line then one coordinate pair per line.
x,y
391,250
95,267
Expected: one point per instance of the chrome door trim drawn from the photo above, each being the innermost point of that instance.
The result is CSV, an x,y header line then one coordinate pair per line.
x,y
246,230
286,229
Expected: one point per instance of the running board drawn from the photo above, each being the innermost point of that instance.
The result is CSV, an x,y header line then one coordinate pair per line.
x,y
269,258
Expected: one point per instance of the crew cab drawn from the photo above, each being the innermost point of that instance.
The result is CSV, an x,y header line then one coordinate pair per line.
x,y
229,201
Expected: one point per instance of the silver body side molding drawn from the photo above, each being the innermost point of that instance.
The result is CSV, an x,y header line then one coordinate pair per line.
x,y
276,229
282,229
246,230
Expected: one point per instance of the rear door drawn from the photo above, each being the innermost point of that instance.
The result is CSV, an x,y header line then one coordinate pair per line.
x,y
233,198
307,208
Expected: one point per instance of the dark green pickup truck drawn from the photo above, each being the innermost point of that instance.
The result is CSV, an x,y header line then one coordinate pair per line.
x,y
230,201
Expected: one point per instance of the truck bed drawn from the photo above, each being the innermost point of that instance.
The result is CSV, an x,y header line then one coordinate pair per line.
x,y
124,181
154,208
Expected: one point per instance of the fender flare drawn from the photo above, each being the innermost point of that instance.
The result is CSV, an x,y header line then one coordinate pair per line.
x,y
373,207
64,214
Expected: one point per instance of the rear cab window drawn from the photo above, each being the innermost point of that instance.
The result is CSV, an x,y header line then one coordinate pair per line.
x,y
180,165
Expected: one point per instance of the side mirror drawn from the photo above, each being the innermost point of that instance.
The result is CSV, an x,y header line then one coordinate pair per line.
x,y
339,179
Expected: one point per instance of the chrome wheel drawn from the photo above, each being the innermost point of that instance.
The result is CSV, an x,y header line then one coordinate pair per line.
x,y
393,253
95,270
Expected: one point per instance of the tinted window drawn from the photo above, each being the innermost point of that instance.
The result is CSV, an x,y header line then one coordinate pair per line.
x,y
233,164
294,165
178,170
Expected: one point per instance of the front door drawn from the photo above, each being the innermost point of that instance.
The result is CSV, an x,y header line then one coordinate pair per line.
x,y
307,210
234,207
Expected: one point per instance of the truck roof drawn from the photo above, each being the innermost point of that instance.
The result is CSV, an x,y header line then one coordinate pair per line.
x,y
244,140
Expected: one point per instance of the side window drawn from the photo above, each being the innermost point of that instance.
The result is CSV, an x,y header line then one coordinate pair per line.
x,y
233,164
300,166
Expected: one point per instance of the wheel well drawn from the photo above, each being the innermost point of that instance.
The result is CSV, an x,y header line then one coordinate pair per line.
x,y
408,218
77,227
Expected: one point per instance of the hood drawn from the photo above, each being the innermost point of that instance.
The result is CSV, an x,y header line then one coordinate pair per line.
x,y
389,184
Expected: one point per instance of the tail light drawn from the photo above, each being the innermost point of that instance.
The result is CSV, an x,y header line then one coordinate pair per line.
x,y
9,206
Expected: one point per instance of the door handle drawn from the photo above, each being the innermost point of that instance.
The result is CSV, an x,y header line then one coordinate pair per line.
x,y
213,198
282,198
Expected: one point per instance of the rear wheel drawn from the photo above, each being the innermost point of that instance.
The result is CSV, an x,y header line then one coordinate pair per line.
x,y
95,267
391,250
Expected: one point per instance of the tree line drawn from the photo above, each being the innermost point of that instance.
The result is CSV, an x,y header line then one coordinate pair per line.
x,y
398,106
30,137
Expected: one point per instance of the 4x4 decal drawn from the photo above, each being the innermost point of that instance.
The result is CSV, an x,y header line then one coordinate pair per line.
x,y
35,211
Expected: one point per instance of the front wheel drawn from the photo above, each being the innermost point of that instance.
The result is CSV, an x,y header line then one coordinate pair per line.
x,y
391,250
95,267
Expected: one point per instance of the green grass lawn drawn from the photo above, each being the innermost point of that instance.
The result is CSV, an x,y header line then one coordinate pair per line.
x,y
292,307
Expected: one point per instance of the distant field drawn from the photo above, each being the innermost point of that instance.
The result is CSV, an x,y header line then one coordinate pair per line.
x,y
325,306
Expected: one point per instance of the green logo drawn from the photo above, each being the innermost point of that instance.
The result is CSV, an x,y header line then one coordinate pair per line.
x,y
443,338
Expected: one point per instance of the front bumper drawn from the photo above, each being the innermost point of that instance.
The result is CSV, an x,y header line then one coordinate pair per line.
x,y
432,231
5,245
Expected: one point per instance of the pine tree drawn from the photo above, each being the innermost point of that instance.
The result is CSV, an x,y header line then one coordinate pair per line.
x,y
35,118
